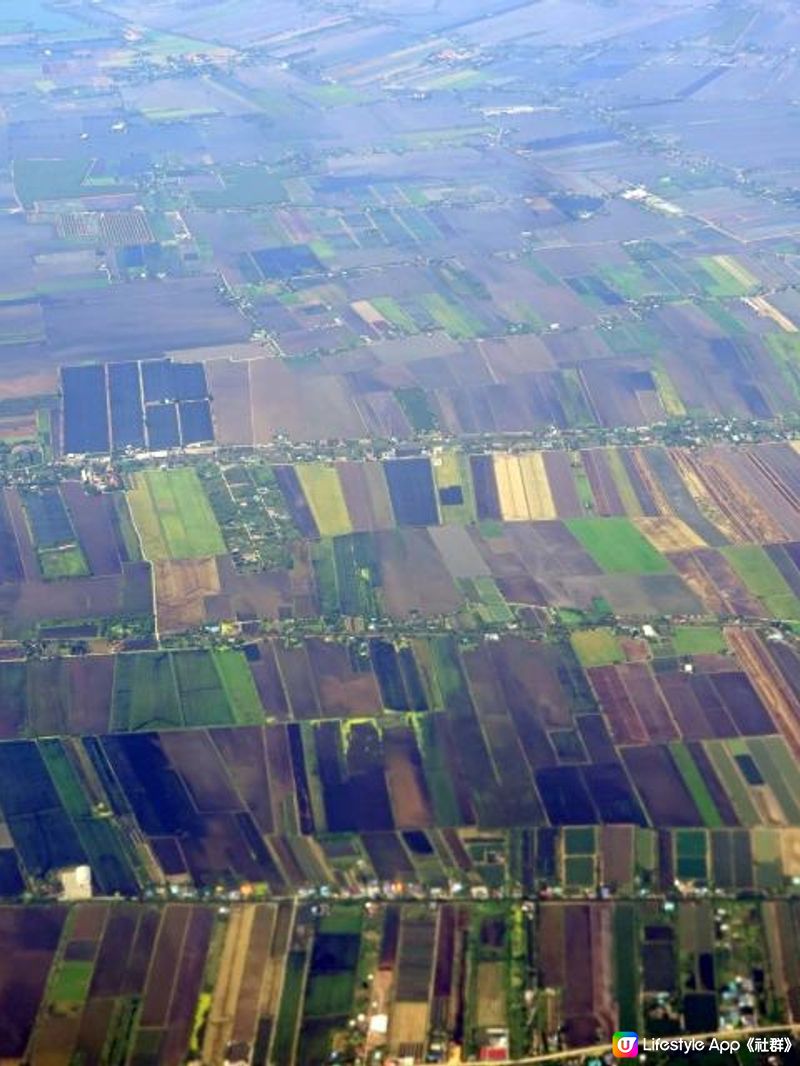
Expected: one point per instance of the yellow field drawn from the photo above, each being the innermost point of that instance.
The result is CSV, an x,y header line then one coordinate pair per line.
x,y
323,491
219,1024
523,488
766,803
668,394
790,852
491,997
537,486
762,306
367,313
627,493
446,468
408,1021
510,490
669,533
703,498
736,270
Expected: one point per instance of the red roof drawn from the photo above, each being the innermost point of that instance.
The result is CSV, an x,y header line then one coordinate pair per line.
x,y
493,1054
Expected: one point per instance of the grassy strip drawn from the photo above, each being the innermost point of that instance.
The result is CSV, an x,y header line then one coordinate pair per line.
x,y
696,785
732,782
763,579
240,688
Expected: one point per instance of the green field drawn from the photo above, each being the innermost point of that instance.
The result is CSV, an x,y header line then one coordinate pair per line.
x,y
492,606
617,546
329,994
394,314
732,782
723,282
693,780
239,686
579,871
199,687
104,840
173,516
71,982
764,580
453,318
202,698
785,349
417,409
699,640
50,179
68,561
324,562
780,772
356,571
291,1002
580,840
691,854
626,972
242,186
634,283
145,693
323,491
596,647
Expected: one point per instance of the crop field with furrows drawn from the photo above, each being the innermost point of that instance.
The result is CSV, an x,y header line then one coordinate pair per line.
x,y
172,515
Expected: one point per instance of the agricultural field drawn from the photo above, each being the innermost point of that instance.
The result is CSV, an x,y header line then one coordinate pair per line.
x,y
374,746
642,530
59,553
172,515
284,980
399,529
133,405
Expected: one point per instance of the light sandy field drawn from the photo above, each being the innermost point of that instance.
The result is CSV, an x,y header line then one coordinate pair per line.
x,y
736,270
408,1023
491,999
523,488
763,307
537,487
669,533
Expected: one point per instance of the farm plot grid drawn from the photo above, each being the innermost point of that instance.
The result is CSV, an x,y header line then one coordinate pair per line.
x,y
145,406
399,529
283,763
651,530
